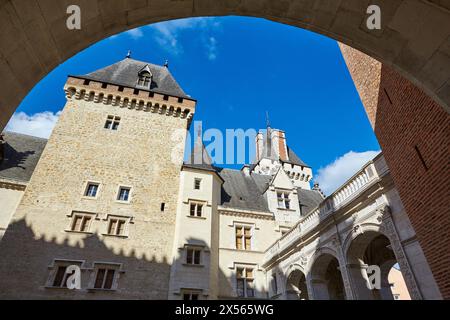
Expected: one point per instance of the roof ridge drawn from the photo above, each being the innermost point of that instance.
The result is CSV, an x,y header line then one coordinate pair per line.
x,y
24,135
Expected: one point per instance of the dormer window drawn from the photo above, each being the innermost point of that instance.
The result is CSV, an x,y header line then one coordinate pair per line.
x,y
145,78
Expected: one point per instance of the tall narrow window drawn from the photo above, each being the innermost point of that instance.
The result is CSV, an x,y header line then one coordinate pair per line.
x,y
104,278
197,184
243,238
244,285
81,222
124,194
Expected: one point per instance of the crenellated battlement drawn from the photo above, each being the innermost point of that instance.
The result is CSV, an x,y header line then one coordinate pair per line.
x,y
131,98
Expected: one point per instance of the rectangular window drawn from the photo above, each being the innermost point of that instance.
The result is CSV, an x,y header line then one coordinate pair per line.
x,y
243,238
112,123
166,98
81,222
60,277
196,210
116,227
244,282
180,100
191,296
91,190
124,194
60,280
104,278
193,256
197,184
283,200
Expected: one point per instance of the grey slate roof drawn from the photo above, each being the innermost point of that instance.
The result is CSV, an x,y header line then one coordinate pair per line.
x,y
247,192
199,158
21,155
294,159
125,73
308,200
244,192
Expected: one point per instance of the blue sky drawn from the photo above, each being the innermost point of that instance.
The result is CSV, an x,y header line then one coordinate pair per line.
x,y
237,68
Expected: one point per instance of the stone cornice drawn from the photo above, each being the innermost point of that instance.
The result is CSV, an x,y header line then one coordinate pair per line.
x,y
12,185
245,213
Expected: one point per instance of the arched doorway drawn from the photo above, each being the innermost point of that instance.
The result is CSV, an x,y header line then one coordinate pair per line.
x,y
296,288
373,249
326,278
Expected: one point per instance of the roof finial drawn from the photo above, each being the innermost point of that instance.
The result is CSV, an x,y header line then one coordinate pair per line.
x,y
166,63
129,54
267,120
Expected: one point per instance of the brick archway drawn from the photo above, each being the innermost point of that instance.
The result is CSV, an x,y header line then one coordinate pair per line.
x,y
408,105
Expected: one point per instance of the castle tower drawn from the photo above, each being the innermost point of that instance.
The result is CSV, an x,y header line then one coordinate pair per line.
x,y
273,152
103,196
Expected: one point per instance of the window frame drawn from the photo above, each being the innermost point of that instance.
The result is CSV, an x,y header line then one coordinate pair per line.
x,y
245,281
118,220
112,123
108,266
243,237
285,199
86,189
199,181
144,79
119,189
83,215
190,293
192,257
54,268
198,208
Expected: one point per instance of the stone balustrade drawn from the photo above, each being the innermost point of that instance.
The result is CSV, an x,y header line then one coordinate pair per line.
x,y
344,195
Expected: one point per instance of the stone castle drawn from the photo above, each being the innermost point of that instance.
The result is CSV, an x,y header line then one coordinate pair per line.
x,y
110,192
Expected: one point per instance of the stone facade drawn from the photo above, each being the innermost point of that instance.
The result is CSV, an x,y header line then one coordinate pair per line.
x,y
141,155
112,196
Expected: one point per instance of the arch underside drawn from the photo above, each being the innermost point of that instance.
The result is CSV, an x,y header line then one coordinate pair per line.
x,y
35,39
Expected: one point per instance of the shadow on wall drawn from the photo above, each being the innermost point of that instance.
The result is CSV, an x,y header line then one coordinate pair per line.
x,y
13,158
30,263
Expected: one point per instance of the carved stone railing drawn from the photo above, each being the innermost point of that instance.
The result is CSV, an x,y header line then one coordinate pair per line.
x,y
344,195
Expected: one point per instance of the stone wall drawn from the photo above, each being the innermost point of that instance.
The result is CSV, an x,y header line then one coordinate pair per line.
x,y
140,154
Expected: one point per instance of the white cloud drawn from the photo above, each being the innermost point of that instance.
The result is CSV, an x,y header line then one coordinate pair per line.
x,y
39,124
335,174
168,33
135,33
211,48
